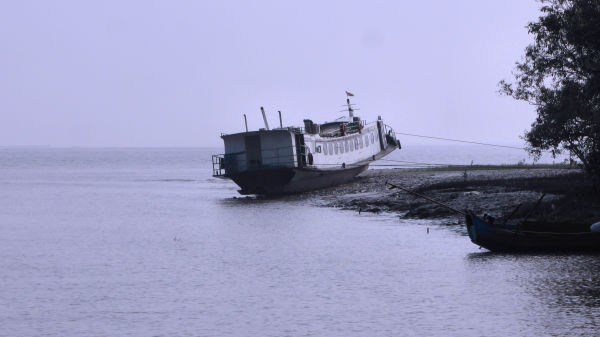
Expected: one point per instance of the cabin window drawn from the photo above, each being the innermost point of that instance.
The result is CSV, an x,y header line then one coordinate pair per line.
x,y
372,138
341,147
318,149
360,142
337,148
346,146
330,148
352,145
366,140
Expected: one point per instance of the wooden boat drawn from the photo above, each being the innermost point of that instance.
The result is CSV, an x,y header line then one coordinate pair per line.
x,y
294,159
527,236
531,236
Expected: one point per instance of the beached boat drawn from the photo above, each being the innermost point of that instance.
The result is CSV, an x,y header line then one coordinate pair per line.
x,y
296,159
532,236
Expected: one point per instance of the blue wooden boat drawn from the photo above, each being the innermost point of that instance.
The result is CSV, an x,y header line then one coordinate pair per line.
x,y
531,236
526,236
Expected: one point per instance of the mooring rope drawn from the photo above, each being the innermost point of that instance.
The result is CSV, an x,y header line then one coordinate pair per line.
x,y
462,141
412,162
392,186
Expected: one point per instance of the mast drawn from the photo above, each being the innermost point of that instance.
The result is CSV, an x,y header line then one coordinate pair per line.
x,y
350,111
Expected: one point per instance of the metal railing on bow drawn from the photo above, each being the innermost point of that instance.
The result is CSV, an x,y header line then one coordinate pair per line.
x,y
390,136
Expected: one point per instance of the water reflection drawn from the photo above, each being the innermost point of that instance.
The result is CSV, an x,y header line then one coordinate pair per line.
x,y
561,293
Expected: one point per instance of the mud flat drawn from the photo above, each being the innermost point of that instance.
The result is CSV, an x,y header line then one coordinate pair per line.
x,y
495,190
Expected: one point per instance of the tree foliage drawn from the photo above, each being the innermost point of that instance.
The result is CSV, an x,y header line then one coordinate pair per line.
x,y
560,75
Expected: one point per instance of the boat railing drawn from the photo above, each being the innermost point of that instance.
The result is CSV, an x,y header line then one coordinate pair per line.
x,y
218,165
223,164
390,136
351,128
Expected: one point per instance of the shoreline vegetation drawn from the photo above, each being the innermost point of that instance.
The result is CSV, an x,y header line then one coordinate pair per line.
x,y
493,189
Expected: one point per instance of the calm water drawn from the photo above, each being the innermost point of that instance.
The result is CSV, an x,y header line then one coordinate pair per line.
x,y
143,242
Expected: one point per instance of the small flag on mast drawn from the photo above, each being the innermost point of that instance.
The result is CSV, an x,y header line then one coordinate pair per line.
x,y
349,94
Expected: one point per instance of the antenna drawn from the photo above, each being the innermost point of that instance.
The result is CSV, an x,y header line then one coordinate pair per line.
x,y
246,122
264,117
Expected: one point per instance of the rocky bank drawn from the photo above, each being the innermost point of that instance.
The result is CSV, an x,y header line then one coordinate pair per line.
x,y
569,196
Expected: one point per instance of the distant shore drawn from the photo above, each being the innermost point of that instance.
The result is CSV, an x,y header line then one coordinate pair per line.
x,y
495,190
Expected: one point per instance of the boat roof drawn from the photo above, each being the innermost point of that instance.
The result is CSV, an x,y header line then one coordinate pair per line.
x,y
259,131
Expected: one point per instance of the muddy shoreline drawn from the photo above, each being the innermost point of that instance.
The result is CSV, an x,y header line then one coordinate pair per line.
x,y
497,191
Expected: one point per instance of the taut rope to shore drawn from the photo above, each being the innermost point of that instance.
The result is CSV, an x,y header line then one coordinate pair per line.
x,y
392,186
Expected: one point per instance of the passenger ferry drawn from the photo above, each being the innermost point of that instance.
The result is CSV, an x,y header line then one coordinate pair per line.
x,y
295,159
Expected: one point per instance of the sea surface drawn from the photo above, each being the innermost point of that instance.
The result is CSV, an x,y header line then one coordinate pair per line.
x,y
144,242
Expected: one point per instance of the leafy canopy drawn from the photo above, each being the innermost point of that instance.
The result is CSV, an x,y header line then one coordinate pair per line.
x,y
560,75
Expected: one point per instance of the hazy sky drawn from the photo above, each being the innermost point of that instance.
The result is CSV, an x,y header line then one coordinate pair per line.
x,y
178,73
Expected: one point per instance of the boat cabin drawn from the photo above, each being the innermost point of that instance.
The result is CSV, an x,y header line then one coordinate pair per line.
x,y
262,149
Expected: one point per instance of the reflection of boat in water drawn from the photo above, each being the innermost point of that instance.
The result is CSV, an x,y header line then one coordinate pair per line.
x,y
294,159
532,236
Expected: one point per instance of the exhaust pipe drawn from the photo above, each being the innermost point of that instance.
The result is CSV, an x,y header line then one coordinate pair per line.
x,y
264,117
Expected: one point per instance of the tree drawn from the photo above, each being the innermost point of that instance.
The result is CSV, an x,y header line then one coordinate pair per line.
x,y
560,75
